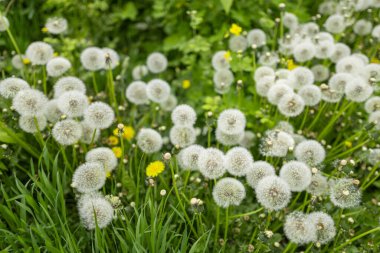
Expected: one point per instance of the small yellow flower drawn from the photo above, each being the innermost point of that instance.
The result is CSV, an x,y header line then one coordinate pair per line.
x,y
108,174
375,60
235,29
44,30
155,168
348,144
112,140
55,54
227,56
26,61
186,84
117,151
291,64
128,133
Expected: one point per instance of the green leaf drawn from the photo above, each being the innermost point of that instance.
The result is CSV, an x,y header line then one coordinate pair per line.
x,y
130,11
226,5
4,137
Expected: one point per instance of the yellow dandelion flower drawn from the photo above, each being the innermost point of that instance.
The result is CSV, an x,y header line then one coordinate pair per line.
x,y
26,61
291,64
44,30
375,60
235,29
227,56
186,84
116,132
117,151
128,133
113,141
155,168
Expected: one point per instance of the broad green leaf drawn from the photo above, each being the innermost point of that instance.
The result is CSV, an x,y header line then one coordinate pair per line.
x,y
226,5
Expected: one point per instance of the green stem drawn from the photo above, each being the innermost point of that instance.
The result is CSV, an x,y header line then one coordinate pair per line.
x,y
357,237
94,83
246,214
225,230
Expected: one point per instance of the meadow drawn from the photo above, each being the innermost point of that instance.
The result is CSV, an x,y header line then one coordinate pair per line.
x,y
190,126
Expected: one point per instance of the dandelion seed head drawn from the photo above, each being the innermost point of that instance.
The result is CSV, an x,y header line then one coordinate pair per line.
x,y
277,91
228,191
28,123
90,134
258,171
95,211
298,229
284,126
158,90
169,104
344,193
156,62
349,64
372,71
238,43
212,163
149,140
374,156
324,225
56,25
10,86
184,115
362,27
320,72
89,177
29,102
182,136
375,118
324,49
291,105
339,81
189,157
57,66
341,51
318,185
136,93
300,77
296,174
276,143
376,32
223,80
68,83
263,86
290,21
103,155
93,59
17,61
311,94
358,90
4,24
304,51
256,37
263,71
67,132
310,152
219,61
330,95
139,72
238,161
72,103
335,24
273,193
248,139
228,139
52,112
99,114
112,59
39,53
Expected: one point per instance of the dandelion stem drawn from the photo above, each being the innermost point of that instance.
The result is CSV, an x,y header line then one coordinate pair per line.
x,y
246,214
358,237
44,85
111,89
94,83
225,230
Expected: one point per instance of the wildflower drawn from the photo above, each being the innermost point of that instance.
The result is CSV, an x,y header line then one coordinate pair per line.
x,y
72,103
291,64
324,226
90,134
228,139
136,93
39,53
67,132
89,177
350,65
231,121
258,171
362,27
277,91
311,94
68,83
304,51
156,62
4,23
163,192
169,104
235,29
296,174
318,185
341,51
139,72
291,105
111,57
158,90
223,80
55,25
188,157
183,115
117,151
99,115
126,131
57,66
276,143
29,102
273,193
149,140
237,43
298,228
344,193
262,72
228,191
95,211
186,84
103,155
182,136
9,87
220,60
29,123
358,90
155,168
247,140
310,152
264,84
93,58
256,37
211,163
238,161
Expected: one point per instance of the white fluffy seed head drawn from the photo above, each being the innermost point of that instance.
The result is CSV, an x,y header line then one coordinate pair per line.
x,y
273,193
9,87
182,136
93,59
300,77
237,43
211,163
184,115
358,90
139,72
258,171
158,90
4,23
344,193
285,126
256,37
276,143
29,102
39,53
228,191
136,93
311,94
374,156
330,95
219,61
310,152
149,140
304,51
156,62
375,118
371,70
17,61
335,24
324,226
67,132
95,211
349,64
72,103
264,84
262,72
291,105
320,72
231,121
68,83
90,134
238,161
324,49
362,27
296,174
228,139
111,57
223,80
318,185
341,51
99,115
290,21
56,25
57,66
52,112
103,155
188,157
277,91
29,123
298,228
89,177
169,104
248,139
339,81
